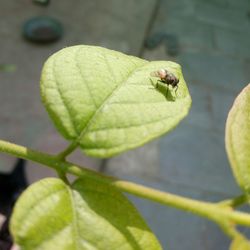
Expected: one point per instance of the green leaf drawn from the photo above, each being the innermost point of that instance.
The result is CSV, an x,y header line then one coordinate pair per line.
x,y
107,102
240,243
87,216
238,138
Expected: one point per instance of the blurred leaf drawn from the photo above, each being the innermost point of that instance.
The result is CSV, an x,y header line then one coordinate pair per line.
x,y
107,101
89,215
238,138
42,2
7,67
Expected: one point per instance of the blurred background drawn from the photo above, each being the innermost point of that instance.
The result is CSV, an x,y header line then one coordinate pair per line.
x,y
210,39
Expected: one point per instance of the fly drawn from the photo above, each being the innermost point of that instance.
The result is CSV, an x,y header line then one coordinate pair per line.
x,y
166,77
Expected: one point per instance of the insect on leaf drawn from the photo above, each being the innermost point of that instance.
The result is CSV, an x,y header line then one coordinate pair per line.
x,y
107,102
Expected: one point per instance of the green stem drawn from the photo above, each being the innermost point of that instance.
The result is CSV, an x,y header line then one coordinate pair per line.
x,y
230,229
205,209
62,176
67,151
208,210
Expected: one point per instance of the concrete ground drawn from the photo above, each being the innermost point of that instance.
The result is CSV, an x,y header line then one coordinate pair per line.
x,y
210,40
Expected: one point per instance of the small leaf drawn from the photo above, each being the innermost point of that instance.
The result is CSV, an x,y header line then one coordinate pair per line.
x,y
89,215
240,243
238,138
107,102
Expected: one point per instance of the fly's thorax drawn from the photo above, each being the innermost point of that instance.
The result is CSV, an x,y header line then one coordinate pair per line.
x,y
162,73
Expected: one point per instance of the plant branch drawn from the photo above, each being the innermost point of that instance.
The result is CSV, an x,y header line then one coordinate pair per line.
x,y
211,211
62,176
67,151
230,229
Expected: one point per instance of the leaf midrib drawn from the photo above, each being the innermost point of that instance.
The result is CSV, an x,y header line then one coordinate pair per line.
x,y
74,221
89,123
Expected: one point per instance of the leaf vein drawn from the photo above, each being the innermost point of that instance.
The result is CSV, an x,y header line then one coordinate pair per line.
x,y
62,98
85,130
82,75
131,126
74,222
74,218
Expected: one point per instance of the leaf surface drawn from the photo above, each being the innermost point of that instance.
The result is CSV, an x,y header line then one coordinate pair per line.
x,y
107,102
87,216
238,138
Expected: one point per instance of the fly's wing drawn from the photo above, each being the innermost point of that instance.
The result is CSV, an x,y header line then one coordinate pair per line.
x,y
154,74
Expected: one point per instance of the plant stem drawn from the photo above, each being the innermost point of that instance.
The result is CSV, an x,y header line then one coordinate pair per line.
x,y
230,230
62,176
208,210
205,209
67,151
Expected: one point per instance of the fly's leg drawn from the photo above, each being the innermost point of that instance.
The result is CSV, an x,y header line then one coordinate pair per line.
x,y
158,83
176,90
167,91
